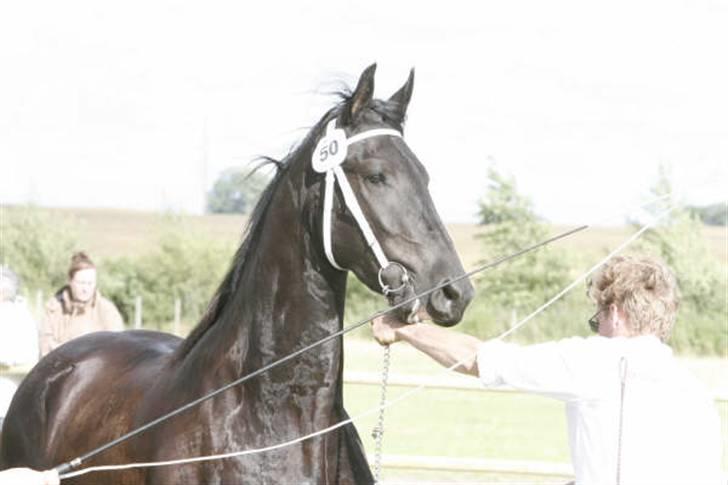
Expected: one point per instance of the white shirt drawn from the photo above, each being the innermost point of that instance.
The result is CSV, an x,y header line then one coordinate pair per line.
x,y
18,344
670,431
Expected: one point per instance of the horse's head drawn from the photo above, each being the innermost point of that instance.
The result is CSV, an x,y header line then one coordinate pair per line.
x,y
382,223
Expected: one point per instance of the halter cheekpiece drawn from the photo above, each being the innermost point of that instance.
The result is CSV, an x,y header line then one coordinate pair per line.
x,y
328,156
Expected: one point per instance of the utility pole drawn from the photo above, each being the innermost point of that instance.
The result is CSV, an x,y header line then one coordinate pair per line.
x,y
205,165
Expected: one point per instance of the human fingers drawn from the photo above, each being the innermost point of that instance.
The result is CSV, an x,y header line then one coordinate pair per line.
x,y
384,331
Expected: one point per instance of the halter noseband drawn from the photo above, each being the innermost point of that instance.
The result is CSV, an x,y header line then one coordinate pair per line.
x,y
328,156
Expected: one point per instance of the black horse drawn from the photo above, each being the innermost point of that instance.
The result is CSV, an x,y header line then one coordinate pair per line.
x,y
282,292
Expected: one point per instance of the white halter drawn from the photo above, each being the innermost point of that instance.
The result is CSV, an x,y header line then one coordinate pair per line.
x,y
327,158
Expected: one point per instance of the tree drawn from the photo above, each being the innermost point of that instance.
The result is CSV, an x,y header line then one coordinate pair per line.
x,y
679,241
512,224
37,245
235,191
712,215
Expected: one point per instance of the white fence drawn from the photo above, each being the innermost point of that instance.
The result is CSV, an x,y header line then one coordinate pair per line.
x,y
137,320
477,465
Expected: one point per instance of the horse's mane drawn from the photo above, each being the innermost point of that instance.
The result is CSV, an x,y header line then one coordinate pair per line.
x,y
229,285
389,113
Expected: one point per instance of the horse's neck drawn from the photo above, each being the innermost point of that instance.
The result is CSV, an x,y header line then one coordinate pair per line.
x,y
287,297
295,300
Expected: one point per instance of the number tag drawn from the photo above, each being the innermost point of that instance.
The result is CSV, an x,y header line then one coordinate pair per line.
x,y
330,151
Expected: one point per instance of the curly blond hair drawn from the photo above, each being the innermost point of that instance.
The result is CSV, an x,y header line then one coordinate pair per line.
x,y
644,288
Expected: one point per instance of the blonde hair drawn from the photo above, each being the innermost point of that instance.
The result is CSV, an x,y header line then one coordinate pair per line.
x,y
79,261
643,288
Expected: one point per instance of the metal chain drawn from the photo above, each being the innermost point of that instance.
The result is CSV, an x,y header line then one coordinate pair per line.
x,y
378,431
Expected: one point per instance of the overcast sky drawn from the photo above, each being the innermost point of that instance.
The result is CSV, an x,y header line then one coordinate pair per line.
x,y
118,104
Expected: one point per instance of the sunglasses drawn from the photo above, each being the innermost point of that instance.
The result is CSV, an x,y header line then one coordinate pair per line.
x,y
594,322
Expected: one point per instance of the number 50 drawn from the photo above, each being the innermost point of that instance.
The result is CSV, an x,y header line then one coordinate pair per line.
x,y
331,149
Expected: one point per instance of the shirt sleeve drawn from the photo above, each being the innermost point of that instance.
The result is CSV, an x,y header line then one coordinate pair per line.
x,y
555,369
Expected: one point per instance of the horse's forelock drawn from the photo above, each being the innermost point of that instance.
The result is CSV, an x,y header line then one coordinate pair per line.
x,y
390,111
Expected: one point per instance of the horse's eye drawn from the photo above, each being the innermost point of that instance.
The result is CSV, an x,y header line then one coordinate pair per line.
x,y
376,178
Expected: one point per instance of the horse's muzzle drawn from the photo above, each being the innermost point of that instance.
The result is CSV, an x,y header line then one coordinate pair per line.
x,y
446,305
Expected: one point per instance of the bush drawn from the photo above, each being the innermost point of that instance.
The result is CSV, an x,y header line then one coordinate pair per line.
x,y
511,224
566,317
185,265
38,246
122,282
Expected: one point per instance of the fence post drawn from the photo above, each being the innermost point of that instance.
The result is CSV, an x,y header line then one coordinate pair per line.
x,y
138,312
177,316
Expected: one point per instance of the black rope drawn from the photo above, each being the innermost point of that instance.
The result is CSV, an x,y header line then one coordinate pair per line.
x,y
76,462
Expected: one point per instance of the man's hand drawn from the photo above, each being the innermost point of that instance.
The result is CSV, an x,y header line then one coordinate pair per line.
x,y
384,329
446,346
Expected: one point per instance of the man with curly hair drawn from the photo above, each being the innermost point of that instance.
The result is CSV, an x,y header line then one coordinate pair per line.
x,y
634,415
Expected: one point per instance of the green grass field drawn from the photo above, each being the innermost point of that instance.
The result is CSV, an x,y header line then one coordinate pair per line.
x,y
116,232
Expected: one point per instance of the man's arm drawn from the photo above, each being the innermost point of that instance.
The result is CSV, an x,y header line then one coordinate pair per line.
x,y
554,369
443,345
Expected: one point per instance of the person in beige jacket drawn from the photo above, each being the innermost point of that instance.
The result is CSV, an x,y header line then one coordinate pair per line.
x,y
78,308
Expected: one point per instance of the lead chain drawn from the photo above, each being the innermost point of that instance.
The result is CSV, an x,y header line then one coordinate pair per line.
x,y
378,431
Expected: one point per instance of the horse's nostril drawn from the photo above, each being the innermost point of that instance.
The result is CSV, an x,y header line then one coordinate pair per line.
x,y
451,292
447,305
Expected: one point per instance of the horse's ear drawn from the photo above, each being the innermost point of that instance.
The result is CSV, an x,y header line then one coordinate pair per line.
x,y
362,95
402,97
